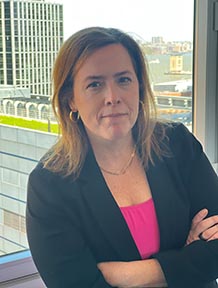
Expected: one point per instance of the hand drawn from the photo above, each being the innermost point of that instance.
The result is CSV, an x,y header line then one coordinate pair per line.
x,y
203,229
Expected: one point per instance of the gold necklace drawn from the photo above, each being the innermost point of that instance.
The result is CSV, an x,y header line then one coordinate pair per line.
x,y
123,170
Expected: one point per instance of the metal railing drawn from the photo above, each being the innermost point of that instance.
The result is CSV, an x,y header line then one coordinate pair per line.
x,y
167,102
175,102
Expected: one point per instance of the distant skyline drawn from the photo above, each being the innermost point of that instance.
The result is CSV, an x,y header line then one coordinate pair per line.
x,y
170,19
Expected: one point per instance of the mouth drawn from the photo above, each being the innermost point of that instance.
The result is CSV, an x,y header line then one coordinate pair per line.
x,y
114,115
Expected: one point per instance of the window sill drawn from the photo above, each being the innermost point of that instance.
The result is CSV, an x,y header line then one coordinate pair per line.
x,y
18,270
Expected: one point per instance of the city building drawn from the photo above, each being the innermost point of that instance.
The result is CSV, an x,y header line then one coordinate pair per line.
x,y
157,40
31,33
176,63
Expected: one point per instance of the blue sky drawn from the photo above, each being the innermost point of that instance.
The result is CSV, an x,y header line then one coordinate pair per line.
x,y
171,19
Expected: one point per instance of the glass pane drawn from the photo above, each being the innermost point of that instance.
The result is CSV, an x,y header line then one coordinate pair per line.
x,y
165,32
23,104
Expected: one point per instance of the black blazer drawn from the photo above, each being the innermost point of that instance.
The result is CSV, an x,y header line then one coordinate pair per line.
x,y
72,225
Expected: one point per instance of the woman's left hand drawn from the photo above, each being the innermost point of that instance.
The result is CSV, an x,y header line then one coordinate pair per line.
x,y
203,228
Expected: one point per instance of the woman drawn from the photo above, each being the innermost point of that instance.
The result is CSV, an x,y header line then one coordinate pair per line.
x,y
113,203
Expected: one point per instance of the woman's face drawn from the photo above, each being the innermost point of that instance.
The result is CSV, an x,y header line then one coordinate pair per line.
x,y
106,94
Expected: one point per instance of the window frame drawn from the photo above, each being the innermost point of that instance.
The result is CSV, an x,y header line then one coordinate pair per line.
x,y
205,102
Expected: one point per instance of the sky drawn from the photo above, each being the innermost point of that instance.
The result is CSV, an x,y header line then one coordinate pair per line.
x,y
171,19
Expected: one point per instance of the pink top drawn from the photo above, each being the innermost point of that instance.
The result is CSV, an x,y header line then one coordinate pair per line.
x,y
142,222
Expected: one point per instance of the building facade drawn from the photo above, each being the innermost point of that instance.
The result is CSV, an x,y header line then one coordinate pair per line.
x,y
31,33
20,151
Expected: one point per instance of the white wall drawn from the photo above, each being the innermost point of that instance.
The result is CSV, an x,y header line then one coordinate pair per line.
x,y
20,149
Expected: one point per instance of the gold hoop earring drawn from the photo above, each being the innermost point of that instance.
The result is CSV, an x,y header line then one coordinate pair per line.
x,y
71,116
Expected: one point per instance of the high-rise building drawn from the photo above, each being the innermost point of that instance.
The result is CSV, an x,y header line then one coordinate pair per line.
x,y
157,40
31,33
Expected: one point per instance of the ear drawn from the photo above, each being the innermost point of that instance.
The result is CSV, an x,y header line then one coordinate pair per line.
x,y
72,106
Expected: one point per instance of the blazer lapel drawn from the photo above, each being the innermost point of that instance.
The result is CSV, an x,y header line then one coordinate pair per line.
x,y
106,210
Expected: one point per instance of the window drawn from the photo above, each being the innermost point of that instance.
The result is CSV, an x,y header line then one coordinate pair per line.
x,y
167,41
168,49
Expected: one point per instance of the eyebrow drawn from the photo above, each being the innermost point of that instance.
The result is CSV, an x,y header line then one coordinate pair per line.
x,y
93,77
100,77
122,73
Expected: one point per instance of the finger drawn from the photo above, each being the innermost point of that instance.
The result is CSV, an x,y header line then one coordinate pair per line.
x,y
205,225
210,233
201,237
214,237
201,225
199,217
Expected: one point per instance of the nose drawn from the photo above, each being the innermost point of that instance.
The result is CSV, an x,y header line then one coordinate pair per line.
x,y
112,96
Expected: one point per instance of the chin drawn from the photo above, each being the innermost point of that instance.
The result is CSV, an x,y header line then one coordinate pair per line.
x,y
118,134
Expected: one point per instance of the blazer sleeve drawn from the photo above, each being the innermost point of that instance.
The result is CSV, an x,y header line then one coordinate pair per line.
x,y
194,265
58,248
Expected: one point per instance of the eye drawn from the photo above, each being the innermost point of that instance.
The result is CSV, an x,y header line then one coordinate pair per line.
x,y
124,80
94,84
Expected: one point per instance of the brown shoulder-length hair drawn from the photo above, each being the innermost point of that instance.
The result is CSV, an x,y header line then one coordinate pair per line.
x,y
67,156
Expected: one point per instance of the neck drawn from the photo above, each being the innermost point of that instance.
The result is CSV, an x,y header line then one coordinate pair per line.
x,y
114,156
110,147
124,168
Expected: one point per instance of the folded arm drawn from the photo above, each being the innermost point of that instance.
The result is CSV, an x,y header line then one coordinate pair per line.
x,y
142,273
148,273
